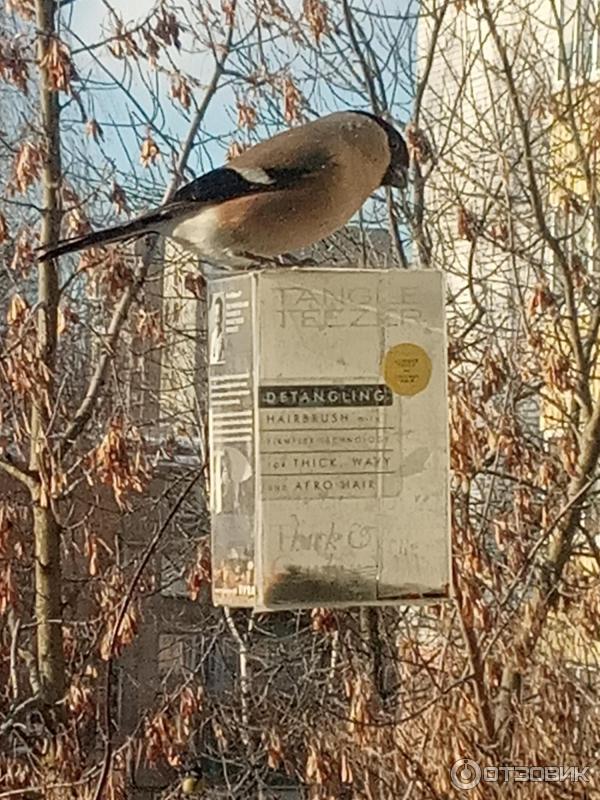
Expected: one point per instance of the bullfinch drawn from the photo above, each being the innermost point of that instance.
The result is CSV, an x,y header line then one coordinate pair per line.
x,y
192,782
279,196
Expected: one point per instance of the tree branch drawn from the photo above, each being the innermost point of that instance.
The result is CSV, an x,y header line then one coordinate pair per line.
x,y
98,379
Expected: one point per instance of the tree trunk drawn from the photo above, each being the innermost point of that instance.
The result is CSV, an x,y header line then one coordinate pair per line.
x,y
46,530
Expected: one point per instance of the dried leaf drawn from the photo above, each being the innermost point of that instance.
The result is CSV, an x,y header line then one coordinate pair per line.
x,y
119,461
58,66
13,65
317,16
541,300
468,225
149,152
94,130
272,744
91,549
180,90
80,699
25,8
27,167
346,775
8,589
220,735
167,28
123,44
69,316
200,575
229,12
235,149
419,148
323,620
4,234
152,47
23,255
110,595
149,326
77,223
499,232
17,310
292,101
317,769
246,115
110,271
119,198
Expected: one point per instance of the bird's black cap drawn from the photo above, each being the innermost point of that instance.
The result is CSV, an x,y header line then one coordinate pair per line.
x,y
399,160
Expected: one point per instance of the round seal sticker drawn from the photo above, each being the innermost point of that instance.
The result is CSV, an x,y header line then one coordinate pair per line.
x,y
406,368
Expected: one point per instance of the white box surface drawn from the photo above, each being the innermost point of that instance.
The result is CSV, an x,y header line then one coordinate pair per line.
x,y
329,438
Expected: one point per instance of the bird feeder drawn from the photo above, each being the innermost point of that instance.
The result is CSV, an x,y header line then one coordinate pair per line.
x,y
329,438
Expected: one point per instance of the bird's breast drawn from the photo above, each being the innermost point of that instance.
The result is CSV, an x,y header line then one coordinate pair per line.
x,y
288,220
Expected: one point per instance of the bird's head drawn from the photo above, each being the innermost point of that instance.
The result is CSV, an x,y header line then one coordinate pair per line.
x,y
396,174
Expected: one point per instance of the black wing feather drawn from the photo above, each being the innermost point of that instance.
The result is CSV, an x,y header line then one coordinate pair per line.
x,y
215,186
226,183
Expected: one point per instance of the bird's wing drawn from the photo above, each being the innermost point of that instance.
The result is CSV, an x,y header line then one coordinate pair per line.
x,y
259,170
231,182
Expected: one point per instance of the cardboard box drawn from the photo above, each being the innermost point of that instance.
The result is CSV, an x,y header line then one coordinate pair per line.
x,y
329,438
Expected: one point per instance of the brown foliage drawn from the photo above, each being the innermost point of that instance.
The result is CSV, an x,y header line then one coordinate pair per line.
x,y
119,461
4,232
13,65
317,16
109,595
180,90
26,8
292,101
26,168
59,66
149,152
119,198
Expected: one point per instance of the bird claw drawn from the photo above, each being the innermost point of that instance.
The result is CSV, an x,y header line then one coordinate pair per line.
x,y
283,260
290,260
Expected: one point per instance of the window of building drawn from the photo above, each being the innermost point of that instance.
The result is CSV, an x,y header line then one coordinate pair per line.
x,y
215,662
175,655
174,567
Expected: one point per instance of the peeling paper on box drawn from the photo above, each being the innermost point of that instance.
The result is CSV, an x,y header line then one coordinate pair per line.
x,y
328,433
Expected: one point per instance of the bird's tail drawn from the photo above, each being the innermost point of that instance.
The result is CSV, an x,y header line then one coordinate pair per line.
x,y
120,233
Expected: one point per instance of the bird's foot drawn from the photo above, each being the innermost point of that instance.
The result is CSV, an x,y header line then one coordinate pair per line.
x,y
243,260
283,260
257,262
290,260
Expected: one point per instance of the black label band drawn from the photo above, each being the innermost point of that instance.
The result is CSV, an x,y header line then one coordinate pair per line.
x,y
334,395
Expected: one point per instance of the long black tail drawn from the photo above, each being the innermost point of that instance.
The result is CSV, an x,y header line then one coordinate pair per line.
x,y
120,233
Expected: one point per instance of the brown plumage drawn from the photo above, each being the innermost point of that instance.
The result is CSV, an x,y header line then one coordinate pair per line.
x,y
281,195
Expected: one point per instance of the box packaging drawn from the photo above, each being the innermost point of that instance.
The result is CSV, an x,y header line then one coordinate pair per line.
x,y
328,433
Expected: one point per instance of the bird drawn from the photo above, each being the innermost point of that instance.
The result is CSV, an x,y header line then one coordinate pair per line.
x,y
279,196
192,782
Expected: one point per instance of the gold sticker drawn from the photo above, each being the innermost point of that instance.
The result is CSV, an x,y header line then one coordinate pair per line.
x,y
406,368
